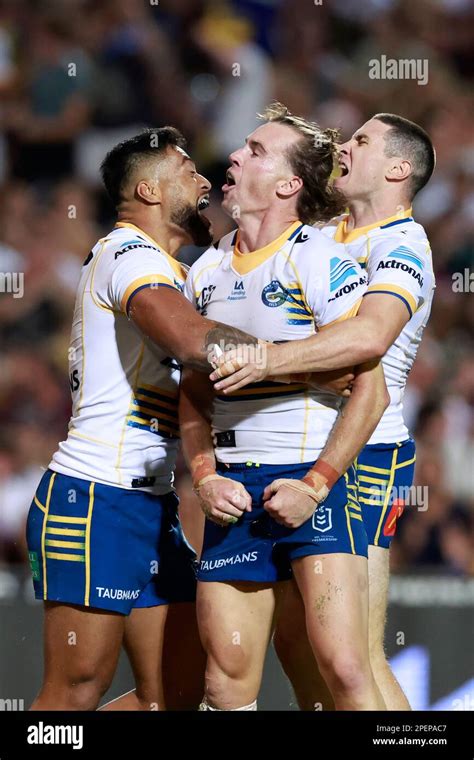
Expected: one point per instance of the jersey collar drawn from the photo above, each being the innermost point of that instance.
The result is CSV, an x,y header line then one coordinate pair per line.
x,y
245,262
175,265
343,236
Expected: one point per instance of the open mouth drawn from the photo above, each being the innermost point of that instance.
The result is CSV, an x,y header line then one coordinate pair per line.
x,y
344,170
229,178
229,182
201,206
203,203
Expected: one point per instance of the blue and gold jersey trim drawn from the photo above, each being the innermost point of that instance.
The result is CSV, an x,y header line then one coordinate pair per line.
x,y
389,288
156,410
296,307
65,538
343,235
149,281
264,390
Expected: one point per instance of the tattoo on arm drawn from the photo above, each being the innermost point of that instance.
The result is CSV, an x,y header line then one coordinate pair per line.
x,y
227,338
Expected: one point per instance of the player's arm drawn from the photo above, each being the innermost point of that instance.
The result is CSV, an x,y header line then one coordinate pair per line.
x,y
361,415
358,418
165,316
292,502
337,381
143,286
396,274
362,338
365,337
222,500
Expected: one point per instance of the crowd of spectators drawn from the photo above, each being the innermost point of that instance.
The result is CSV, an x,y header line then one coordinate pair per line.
x,y
77,76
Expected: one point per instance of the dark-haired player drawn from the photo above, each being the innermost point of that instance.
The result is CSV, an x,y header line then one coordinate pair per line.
x,y
107,552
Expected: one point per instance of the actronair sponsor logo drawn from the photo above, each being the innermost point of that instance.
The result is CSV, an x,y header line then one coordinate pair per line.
x,y
404,267
341,270
346,289
42,733
133,245
214,564
117,593
402,252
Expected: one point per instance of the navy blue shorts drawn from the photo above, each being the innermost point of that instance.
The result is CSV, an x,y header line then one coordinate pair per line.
x,y
105,547
384,473
257,548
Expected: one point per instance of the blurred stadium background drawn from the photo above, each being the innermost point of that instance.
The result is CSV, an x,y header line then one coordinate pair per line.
x,y
76,76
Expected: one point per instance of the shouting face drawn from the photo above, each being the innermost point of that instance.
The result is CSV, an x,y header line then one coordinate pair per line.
x,y
259,171
185,195
365,167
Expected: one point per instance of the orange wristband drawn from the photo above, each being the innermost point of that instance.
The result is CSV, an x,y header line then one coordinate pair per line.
x,y
324,469
201,467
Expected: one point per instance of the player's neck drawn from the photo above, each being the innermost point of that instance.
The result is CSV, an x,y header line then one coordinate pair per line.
x,y
365,212
256,233
169,237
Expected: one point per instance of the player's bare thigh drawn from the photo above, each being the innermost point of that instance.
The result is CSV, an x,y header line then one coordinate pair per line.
x,y
184,658
236,623
82,648
334,588
379,577
294,651
335,594
167,659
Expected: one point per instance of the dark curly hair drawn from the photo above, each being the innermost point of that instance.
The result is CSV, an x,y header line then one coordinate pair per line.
x,y
313,159
119,163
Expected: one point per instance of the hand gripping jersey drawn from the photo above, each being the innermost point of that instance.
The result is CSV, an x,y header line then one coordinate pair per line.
x,y
124,425
285,291
396,255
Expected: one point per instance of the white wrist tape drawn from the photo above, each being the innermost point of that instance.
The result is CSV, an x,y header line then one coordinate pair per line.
x,y
298,485
206,706
207,479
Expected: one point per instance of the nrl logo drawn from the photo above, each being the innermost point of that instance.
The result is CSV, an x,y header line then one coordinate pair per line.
x,y
322,519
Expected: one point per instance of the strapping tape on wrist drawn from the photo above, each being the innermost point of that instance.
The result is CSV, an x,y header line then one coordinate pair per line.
x,y
301,487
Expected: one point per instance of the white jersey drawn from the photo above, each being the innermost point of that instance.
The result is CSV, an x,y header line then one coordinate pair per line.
x,y
396,255
285,291
124,425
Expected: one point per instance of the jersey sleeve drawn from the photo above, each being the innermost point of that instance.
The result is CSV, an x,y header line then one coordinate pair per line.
x,y
397,270
335,291
138,269
189,291
197,288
